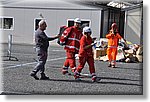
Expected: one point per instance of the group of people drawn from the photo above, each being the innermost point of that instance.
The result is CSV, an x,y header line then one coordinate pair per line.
x,y
76,42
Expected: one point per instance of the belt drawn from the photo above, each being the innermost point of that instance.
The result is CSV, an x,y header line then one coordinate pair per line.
x,y
112,46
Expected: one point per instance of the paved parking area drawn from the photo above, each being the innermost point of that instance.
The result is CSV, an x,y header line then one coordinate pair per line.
x,y
126,79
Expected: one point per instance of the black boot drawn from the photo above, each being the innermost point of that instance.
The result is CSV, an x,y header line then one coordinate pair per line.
x,y
44,77
113,66
109,65
33,74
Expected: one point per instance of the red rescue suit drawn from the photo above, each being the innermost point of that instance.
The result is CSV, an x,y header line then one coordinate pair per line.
x,y
71,37
86,55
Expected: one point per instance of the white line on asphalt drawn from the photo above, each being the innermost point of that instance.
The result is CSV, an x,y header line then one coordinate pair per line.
x,y
24,54
20,65
55,59
58,50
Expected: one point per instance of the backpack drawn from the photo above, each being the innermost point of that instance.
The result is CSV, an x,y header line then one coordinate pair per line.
x,y
61,31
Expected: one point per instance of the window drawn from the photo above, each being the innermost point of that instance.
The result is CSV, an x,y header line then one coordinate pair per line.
x,y
7,23
1,23
84,22
36,22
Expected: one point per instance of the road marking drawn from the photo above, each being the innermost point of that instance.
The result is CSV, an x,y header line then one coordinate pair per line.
x,y
24,54
55,59
58,50
20,65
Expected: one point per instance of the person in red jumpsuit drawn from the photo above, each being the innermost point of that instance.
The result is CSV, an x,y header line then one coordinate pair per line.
x,y
86,54
71,38
113,38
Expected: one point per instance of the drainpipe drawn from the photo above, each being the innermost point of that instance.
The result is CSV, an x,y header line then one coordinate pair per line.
x,y
125,26
141,35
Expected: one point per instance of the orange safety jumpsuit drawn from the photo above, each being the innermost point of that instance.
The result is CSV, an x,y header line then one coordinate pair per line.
x,y
86,55
112,46
71,37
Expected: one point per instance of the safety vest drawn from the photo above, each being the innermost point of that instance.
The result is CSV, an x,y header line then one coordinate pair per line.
x,y
113,39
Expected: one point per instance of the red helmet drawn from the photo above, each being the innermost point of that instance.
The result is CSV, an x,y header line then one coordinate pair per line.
x,y
114,25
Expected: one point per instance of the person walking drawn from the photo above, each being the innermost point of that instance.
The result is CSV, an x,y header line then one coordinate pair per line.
x,y
42,44
71,38
113,39
86,54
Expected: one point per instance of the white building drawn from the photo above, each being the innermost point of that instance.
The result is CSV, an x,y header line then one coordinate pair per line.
x,y
20,17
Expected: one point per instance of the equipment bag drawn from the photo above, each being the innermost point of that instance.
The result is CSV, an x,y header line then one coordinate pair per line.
x,y
61,31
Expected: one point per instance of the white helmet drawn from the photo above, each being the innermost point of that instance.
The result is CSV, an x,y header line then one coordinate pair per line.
x,y
77,20
87,30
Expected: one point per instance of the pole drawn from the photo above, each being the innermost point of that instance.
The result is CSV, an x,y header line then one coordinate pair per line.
x,y
9,45
141,36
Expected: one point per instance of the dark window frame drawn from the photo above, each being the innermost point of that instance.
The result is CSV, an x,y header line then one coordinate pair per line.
x,y
36,22
7,23
117,16
87,22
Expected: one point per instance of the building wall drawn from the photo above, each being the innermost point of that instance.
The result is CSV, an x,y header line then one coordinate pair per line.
x,y
24,22
133,25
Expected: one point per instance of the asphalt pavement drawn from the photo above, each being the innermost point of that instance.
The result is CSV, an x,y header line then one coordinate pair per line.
x,y
126,79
